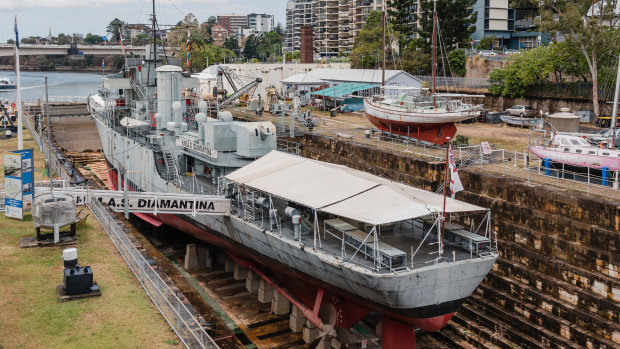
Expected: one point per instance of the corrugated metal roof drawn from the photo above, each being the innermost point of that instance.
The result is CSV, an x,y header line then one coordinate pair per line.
x,y
342,90
302,79
355,75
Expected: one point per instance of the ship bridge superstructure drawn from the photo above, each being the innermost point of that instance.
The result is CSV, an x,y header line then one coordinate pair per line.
x,y
157,107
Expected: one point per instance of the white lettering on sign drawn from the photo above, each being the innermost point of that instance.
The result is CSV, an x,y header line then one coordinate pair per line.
x,y
186,143
146,202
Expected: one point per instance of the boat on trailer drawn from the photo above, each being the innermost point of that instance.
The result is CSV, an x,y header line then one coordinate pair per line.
x,y
576,151
522,121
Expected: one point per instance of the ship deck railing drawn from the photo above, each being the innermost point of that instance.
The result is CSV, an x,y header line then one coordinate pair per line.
x,y
413,240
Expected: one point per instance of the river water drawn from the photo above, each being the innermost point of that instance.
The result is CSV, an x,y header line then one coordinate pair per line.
x,y
60,84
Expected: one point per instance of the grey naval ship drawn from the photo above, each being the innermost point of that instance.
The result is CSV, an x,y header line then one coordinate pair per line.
x,y
340,240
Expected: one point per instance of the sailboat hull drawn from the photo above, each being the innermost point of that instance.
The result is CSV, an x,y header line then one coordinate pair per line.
x,y
433,126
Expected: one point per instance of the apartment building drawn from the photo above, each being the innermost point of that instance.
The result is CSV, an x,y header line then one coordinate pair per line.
x,y
335,22
338,22
232,22
260,22
298,13
510,22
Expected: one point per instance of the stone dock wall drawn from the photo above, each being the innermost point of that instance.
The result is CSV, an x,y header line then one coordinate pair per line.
x,y
557,281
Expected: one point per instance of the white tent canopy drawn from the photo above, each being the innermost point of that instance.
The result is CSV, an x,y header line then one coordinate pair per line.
x,y
340,190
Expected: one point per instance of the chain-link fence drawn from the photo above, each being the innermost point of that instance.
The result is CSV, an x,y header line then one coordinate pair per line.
x,y
455,82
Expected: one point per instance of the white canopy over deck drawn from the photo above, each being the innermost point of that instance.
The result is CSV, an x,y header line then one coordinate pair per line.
x,y
340,190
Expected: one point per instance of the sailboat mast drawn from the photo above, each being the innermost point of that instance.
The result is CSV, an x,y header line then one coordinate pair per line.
x,y
383,45
434,67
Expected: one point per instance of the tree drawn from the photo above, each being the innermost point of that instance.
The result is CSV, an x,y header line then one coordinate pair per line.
x,y
10,42
367,51
250,50
590,26
114,28
232,44
400,16
278,29
567,60
196,43
178,35
292,55
212,54
415,60
486,43
456,23
522,73
212,20
457,62
61,39
141,39
270,46
91,39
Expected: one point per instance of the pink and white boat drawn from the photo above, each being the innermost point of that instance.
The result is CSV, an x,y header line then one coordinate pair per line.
x,y
577,151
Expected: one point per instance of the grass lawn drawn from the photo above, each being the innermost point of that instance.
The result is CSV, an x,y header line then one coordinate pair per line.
x,y
31,316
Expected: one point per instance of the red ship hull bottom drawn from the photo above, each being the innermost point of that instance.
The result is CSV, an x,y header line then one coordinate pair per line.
x,y
397,329
432,133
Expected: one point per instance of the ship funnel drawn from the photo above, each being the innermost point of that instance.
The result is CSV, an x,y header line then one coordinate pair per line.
x,y
178,121
168,91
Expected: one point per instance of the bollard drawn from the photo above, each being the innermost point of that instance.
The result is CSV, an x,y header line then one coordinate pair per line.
x,y
547,164
605,175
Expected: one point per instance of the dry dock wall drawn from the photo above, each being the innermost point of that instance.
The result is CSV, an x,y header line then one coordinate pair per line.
x,y
557,282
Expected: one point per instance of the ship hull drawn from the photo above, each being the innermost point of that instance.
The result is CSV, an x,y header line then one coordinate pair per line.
x,y
433,127
582,160
425,297
429,318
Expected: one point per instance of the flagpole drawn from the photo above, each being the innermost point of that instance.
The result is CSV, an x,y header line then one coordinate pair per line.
x,y
20,137
188,43
445,191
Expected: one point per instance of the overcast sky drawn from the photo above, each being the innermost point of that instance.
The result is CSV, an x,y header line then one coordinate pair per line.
x,y
37,17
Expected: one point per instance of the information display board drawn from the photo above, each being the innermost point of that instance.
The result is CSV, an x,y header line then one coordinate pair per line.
x,y
18,182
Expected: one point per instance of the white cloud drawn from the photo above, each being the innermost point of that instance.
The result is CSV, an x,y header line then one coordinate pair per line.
x,y
25,4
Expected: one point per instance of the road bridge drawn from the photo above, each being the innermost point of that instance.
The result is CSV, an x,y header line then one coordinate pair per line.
x,y
27,49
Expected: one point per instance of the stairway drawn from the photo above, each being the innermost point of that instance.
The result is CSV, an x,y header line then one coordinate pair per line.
x,y
172,173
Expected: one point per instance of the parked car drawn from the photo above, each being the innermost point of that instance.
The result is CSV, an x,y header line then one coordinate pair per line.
x,y
487,53
521,110
603,136
511,52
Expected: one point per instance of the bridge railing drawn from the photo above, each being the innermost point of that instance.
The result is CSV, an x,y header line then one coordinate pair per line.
x,y
55,99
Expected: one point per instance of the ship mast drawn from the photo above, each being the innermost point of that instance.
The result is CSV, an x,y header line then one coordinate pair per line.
x,y
153,51
434,67
383,44
614,113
